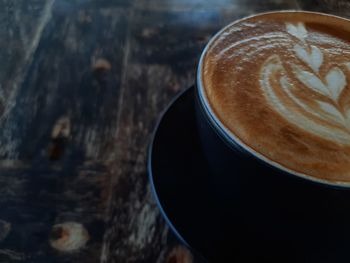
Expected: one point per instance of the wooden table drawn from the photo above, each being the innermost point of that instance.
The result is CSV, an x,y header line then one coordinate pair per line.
x,y
82,83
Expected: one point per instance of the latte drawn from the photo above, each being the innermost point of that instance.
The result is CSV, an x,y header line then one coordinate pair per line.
x,y
280,84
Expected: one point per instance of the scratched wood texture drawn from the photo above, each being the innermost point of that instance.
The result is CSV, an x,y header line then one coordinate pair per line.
x,y
82,83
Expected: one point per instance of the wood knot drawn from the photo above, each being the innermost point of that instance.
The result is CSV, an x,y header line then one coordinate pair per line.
x,y
84,18
149,32
179,254
101,65
59,135
68,236
5,228
61,128
100,68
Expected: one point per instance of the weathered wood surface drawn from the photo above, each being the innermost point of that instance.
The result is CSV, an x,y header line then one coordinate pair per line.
x,y
82,83
335,7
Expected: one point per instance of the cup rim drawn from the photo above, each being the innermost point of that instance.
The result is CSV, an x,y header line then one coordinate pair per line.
x,y
228,136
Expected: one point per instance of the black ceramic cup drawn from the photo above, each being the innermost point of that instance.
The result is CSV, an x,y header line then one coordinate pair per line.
x,y
275,214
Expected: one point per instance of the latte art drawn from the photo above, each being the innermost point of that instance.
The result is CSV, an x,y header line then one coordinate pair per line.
x,y
280,83
335,119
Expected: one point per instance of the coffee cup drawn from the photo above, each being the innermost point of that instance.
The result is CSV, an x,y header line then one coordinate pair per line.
x,y
273,114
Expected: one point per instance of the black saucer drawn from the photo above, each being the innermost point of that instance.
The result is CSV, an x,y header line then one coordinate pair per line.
x,y
179,178
188,200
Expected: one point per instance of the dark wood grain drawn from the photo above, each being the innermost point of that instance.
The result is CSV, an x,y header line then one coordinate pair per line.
x,y
163,49
336,7
52,176
82,83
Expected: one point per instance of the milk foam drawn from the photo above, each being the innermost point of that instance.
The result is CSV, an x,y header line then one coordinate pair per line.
x,y
330,86
279,83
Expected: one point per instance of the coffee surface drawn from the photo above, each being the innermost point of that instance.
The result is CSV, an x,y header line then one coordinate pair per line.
x,y
279,83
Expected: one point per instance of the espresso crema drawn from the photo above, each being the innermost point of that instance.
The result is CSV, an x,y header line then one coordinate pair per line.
x,y
280,83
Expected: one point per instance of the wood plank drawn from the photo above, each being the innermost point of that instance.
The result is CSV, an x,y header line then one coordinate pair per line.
x,y
62,81
164,47
57,137
32,201
22,23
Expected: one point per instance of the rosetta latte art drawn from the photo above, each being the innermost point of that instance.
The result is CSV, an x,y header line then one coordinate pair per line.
x,y
323,114
280,84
